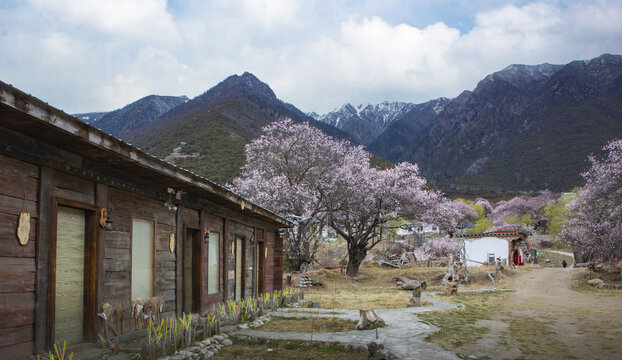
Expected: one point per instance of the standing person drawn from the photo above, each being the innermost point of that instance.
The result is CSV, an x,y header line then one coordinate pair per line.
x,y
564,263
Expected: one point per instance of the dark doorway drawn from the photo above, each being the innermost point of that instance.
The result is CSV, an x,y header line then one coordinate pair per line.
x,y
192,271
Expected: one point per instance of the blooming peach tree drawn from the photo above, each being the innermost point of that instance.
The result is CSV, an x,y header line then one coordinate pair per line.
x,y
594,223
289,169
313,179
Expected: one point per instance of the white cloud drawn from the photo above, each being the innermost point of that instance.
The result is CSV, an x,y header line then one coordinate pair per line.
x,y
143,19
104,54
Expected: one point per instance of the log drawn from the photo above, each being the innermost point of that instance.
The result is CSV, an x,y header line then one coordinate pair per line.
x,y
369,320
407,283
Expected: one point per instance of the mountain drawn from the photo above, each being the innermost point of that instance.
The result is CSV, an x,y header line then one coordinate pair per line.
x,y
90,117
395,140
207,134
522,128
365,123
137,114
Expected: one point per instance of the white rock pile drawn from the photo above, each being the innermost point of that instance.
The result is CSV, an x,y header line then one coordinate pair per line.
x,y
204,349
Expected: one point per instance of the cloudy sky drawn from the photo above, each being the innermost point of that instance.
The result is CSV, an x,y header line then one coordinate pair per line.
x,y
82,55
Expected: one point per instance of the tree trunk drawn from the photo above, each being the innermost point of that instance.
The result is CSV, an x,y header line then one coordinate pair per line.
x,y
355,258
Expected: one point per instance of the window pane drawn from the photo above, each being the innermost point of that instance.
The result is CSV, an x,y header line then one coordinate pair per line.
x,y
213,266
142,259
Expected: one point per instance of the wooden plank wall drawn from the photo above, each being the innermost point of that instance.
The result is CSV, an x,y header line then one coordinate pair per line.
x,y
17,262
117,286
278,262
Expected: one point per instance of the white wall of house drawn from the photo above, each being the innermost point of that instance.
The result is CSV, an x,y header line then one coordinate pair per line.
x,y
478,249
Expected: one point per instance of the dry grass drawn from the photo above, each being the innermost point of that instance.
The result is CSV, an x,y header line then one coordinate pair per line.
x,y
486,317
316,325
288,350
377,290
579,282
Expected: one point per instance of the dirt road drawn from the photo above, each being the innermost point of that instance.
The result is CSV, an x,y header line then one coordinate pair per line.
x,y
544,318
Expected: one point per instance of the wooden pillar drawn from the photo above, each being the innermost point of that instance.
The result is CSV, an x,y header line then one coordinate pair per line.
x,y
179,285
101,201
42,334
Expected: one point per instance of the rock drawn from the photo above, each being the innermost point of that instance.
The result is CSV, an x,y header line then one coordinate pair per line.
x,y
243,326
177,357
225,335
595,282
256,323
227,342
602,285
473,357
218,338
194,349
208,354
617,286
206,342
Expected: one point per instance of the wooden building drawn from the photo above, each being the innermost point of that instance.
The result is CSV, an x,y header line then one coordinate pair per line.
x,y
100,221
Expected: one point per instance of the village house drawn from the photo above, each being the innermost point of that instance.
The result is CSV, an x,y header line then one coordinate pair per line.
x,y
86,219
484,248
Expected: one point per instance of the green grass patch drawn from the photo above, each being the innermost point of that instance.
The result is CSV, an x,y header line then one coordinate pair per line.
x,y
457,327
317,325
288,350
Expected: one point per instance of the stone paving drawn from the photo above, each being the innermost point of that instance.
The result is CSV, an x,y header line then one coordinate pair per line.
x,y
404,332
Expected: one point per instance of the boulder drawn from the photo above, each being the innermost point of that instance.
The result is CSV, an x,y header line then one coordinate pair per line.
x,y
595,282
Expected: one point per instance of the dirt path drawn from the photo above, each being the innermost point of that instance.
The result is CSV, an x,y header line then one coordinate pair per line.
x,y
545,317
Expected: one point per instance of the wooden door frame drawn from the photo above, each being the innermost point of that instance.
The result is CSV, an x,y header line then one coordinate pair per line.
x,y
90,268
197,267
243,267
261,264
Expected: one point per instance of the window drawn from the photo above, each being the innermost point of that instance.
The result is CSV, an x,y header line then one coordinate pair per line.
x,y
213,268
142,259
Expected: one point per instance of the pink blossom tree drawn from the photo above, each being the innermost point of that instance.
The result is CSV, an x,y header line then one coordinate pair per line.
x,y
594,224
521,213
438,248
289,170
296,170
448,215
364,198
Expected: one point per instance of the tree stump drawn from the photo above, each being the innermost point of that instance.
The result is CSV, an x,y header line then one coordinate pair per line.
x,y
415,298
369,320
374,349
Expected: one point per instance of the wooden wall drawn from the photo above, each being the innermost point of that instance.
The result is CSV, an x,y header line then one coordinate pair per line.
x,y
17,263
24,270
117,277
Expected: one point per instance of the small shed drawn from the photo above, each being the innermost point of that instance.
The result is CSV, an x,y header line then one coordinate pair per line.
x,y
485,248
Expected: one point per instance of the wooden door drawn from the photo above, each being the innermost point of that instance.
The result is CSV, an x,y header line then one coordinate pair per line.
x,y
192,271
239,268
70,276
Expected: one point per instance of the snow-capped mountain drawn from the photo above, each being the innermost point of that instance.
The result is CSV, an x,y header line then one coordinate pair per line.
x,y
365,122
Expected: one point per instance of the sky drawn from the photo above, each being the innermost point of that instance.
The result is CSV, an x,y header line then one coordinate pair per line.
x,y
100,55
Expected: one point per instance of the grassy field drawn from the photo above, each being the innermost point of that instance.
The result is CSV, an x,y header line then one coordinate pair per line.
x,y
316,325
376,289
554,259
288,350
